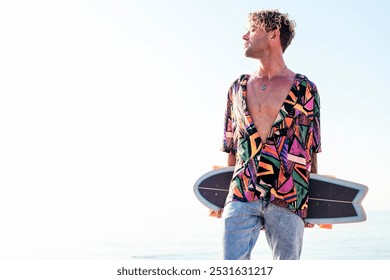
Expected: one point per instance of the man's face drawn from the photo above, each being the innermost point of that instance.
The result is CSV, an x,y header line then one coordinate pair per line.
x,y
256,41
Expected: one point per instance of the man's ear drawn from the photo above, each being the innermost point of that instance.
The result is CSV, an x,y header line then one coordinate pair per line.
x,y
275,34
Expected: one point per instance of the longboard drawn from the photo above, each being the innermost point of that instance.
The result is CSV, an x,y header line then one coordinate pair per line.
x,y
331,200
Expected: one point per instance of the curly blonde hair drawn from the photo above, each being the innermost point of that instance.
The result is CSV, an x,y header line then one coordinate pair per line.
x,y
274,20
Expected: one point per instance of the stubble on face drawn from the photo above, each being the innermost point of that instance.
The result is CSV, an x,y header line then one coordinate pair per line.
x,y
255,41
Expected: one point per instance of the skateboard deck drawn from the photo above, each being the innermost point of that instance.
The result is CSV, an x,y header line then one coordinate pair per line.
x,y
331,200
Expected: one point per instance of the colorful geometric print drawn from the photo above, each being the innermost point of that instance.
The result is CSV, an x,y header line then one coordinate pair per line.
x,y
278,169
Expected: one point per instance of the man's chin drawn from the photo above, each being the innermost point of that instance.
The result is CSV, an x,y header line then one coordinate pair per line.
x,y
248,54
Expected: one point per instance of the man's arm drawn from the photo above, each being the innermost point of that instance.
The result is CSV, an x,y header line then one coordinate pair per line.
x,y
314,166
314,169
231,160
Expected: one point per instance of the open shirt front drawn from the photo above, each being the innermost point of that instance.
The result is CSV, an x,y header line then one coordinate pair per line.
x,y
279,169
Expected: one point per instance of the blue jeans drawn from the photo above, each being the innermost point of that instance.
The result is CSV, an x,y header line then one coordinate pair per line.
x,y
243,222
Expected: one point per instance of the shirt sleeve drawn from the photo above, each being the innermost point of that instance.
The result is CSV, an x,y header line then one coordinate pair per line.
x,y
316,143
228,144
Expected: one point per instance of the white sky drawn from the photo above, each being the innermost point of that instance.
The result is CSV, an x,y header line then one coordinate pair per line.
x,y
110,110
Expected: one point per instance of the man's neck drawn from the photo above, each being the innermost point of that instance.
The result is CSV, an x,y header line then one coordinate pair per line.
x,y
271,66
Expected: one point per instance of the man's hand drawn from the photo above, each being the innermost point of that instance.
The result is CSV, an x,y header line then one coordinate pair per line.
x,y
217,214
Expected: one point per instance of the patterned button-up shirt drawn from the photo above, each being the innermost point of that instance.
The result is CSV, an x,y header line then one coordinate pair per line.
x,y
279,169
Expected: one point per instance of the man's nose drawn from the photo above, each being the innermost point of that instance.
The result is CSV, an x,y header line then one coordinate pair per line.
x,y
245,36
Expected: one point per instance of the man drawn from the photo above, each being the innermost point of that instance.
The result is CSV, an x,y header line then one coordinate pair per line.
x,y
272,135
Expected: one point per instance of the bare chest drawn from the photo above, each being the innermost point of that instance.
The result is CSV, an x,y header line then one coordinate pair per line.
x,y
264,105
